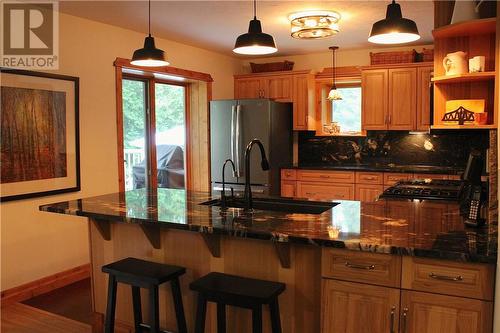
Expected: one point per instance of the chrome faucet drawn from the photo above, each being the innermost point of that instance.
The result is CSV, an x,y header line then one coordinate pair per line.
x,y
264,164
223,193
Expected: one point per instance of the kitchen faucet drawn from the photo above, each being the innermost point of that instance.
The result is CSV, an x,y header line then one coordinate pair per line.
x,y
264,164
223,193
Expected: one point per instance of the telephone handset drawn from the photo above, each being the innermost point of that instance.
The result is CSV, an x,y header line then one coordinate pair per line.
x,y
472,205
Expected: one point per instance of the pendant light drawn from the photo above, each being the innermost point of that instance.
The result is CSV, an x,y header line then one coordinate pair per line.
x,y
149,55
394,29
334,94
255,42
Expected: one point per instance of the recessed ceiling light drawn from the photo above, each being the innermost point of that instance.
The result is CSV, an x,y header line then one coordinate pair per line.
x,y
314,24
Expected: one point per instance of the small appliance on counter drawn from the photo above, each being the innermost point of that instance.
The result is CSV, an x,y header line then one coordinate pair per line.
x,y
470,192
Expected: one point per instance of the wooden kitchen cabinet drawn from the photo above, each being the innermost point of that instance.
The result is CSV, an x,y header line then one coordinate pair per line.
x,y
368,192
248,88
358,308
424,75
296,87
288,188
375,94
402,99
432,313
325,191
396,97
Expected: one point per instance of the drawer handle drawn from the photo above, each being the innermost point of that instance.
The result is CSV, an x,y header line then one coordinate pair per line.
x,y
369,178
393,312
445,277
324,176
358,266
309,193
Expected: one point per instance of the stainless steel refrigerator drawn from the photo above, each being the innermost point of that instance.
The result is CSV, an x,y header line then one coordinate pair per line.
x,y
233,124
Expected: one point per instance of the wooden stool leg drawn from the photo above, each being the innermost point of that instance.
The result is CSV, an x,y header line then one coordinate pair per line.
x,y
257,319
201,312
179,308
221,318
136,301
109,326
154,311
275,316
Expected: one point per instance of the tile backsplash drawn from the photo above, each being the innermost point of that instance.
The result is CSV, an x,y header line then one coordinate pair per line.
x,y
444,148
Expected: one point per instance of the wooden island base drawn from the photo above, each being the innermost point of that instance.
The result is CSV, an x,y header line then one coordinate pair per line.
x,y
299,304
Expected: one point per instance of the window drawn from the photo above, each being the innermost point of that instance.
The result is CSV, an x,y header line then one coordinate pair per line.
x,y
158,114
347,112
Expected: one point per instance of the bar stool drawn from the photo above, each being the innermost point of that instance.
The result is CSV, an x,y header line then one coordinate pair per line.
x,y
225,289
144,274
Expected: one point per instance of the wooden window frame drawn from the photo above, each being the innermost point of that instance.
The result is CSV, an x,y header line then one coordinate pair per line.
x,y
185,77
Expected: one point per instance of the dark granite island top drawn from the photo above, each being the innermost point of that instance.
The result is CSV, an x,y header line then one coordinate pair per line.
x,y
423,229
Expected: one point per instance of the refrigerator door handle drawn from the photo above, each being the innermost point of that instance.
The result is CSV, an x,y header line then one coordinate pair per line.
x,y
233,129
238,141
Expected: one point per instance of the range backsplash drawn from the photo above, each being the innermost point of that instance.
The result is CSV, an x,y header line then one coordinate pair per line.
x,y
448,148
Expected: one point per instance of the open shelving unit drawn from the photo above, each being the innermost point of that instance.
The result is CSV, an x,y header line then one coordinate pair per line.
x,y
475,38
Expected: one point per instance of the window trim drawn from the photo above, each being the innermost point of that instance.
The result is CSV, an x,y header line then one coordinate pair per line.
x,y
186,79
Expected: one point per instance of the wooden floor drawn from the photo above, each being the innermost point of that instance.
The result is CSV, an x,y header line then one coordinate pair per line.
x,y
21,318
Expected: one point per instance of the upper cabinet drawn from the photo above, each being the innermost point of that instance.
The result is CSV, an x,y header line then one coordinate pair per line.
x,y
396,97
475,38
296,87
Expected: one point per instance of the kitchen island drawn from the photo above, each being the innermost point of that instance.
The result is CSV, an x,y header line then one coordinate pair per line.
x,y
173,226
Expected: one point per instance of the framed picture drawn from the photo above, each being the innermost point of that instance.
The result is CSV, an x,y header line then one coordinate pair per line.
x,y
39,134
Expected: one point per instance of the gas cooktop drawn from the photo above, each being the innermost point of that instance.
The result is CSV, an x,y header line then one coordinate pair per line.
x,y
425,189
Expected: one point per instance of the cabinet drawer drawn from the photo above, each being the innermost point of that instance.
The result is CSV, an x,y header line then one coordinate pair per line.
x,y
321,191
373,268
288,188
393,178
429,176
288,174
447,277
369,178
326,176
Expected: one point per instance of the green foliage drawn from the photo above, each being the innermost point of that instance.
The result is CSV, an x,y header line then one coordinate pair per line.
x,y
169,105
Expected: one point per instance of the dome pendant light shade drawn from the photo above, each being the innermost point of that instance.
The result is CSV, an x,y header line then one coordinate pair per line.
x,y
334,94
255,42
394,29
149,55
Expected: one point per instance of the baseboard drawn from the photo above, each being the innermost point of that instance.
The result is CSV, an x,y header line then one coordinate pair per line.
x,y
44,285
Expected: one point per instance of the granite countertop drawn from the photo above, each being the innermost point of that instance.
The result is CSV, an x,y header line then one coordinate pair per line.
x,y
418,228
386,168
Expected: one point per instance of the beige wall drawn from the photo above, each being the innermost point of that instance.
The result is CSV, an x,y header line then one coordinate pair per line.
x,y
318,61
36,244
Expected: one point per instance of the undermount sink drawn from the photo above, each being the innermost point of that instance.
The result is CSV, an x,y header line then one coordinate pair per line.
x,y
279,205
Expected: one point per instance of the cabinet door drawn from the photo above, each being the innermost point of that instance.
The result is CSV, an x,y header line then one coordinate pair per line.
x,y
303,105
424,98
402,98
248,88
431,313
349,307
279,87
368,192
374,90
288,188
321,191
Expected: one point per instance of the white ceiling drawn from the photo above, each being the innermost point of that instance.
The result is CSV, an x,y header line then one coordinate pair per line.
x,y
214,25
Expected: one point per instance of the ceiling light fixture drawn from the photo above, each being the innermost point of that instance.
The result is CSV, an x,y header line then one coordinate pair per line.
x,y
334,94
149,55
394,29
314,24
255,42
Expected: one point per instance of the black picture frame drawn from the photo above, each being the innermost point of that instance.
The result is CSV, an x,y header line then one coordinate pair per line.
x,y
75,185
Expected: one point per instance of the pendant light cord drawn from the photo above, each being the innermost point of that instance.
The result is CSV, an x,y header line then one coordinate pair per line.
x,y
333,69
149,17
254,9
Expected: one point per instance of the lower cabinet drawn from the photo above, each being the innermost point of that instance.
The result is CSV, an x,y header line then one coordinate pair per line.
x,y
432,313
368,192
288,188
325,191
359,308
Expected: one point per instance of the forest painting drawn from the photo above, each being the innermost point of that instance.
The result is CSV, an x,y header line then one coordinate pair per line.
x,y
33,134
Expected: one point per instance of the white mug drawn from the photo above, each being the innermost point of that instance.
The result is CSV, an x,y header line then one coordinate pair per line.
x,y
477,64
455,63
